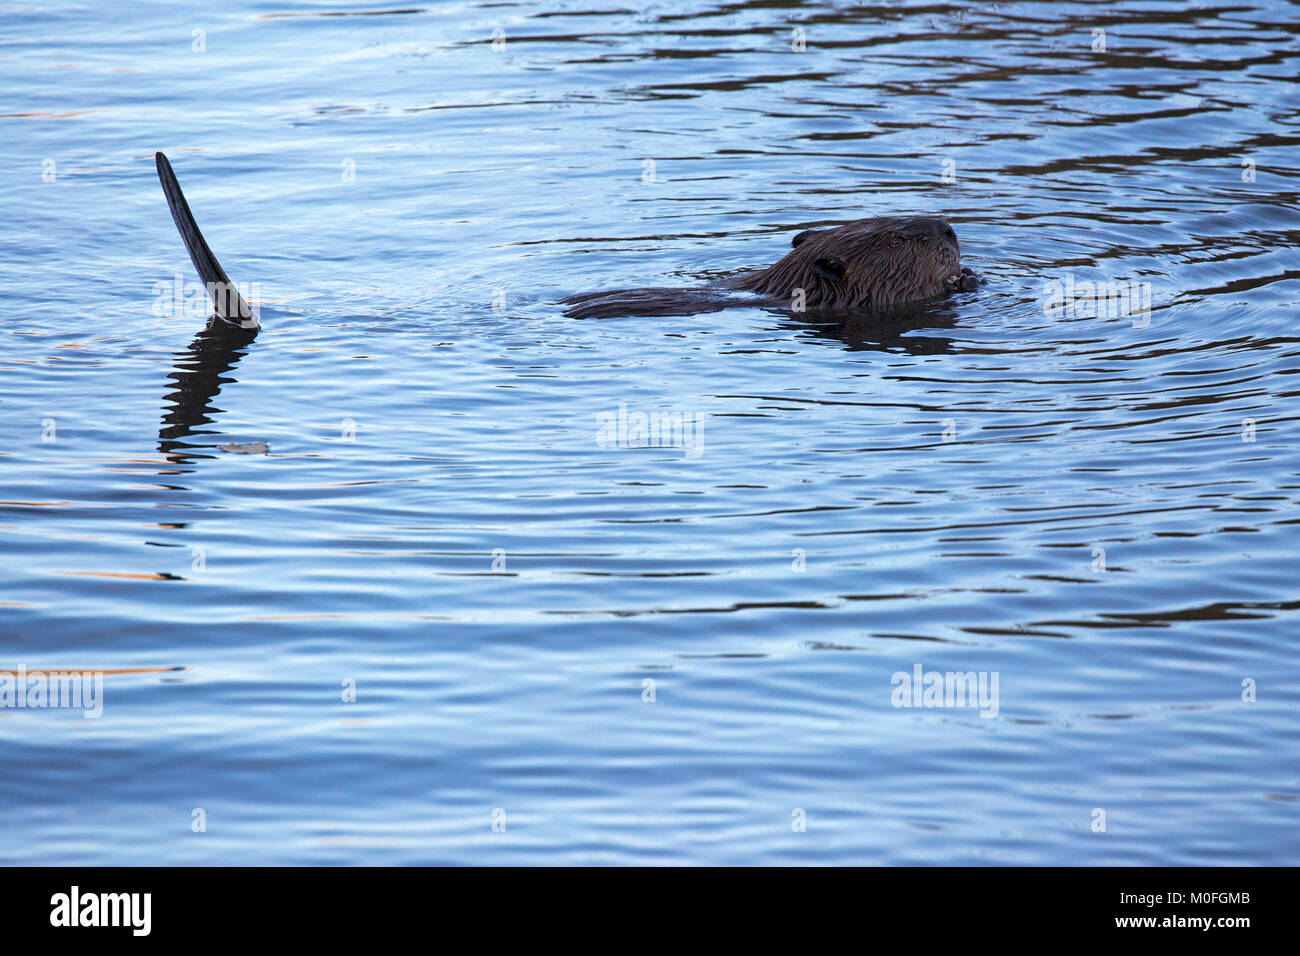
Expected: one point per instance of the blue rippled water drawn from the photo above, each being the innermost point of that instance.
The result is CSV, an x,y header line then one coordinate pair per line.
x,y
567,649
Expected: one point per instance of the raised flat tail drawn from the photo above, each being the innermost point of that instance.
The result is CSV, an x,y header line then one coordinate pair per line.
x,y
226,300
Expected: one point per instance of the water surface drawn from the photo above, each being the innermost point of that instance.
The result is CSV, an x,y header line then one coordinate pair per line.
x,y
1101,511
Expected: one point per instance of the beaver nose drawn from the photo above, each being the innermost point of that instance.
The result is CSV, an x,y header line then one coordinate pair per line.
x,y
942,231
933,230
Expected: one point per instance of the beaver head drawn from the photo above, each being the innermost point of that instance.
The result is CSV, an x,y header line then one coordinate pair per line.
x,y
868,264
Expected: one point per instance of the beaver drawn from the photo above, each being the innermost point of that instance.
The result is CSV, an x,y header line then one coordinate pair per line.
x,y
868,265
864,266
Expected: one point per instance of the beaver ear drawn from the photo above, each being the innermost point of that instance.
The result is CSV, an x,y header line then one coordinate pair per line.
x,y
800,237
832,269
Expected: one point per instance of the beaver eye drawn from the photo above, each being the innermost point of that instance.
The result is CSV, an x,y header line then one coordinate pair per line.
x,y
896,241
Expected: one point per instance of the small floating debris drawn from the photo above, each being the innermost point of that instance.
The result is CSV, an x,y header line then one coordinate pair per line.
x,y
252,448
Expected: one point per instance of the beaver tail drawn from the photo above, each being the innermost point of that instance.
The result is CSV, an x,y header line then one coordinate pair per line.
x,y
226,300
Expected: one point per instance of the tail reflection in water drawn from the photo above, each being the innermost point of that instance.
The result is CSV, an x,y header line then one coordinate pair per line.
x,y
200,371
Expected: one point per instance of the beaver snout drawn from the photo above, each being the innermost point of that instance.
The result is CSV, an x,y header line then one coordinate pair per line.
x,y
935,246
930,230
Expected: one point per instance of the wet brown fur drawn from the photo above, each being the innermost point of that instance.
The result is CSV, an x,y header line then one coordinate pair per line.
x,y
869,265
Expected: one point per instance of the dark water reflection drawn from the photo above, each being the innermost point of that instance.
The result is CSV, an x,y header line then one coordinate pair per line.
x,y
208,363
1098,509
